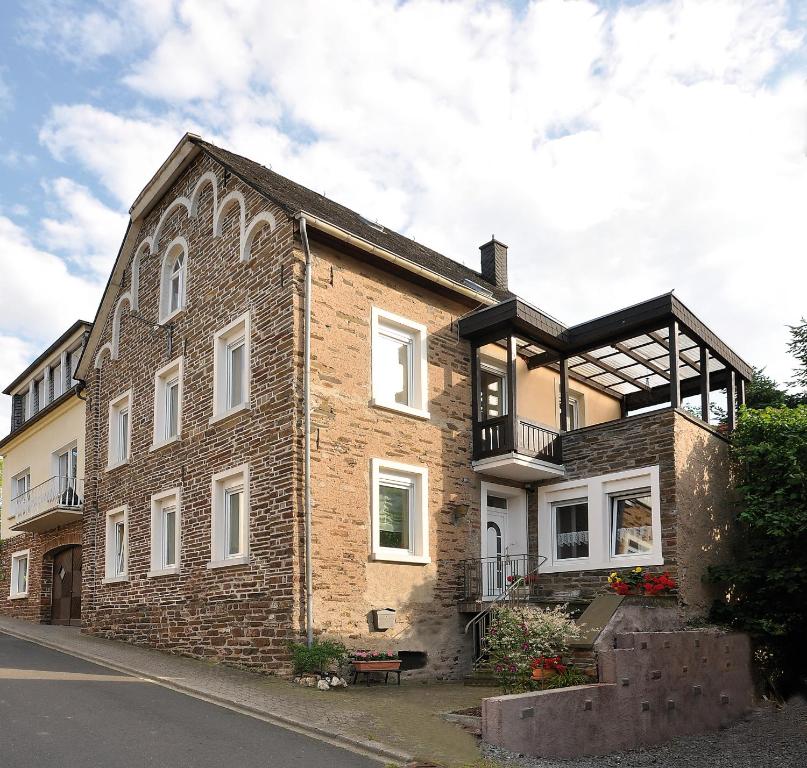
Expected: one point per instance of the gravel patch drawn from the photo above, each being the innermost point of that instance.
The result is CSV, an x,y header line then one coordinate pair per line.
x,y
768,738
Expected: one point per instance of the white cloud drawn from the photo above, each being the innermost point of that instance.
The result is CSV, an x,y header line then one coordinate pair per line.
x,y
5,94
15,355
620,151
87,232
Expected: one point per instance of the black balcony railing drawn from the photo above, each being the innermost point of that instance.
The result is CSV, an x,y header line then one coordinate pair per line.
x,y
493,437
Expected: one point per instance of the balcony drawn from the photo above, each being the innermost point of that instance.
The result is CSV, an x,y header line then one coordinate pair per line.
x,y
517,449
57,501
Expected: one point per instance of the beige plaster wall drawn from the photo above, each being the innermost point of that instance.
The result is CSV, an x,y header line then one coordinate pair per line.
x,y
36,446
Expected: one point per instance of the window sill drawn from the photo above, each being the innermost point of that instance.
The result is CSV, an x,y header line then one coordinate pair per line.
x,y
394,557
229,562
164,443
407,410
111,467
163,572
614,564
227,414
115,579
171,315
18,596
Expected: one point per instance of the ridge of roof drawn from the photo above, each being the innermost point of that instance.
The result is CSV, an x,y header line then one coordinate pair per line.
x,y
293,198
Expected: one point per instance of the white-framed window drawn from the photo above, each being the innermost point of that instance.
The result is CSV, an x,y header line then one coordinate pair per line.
x,y
399,364
400,512
229,535
72,358
575,411
165,532
493,383
608,521
117,545
21,484
173,288
19,574
231,368
57,377
41,395
120,430
168,403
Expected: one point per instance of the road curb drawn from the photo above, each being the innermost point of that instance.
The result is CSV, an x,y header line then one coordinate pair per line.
x,y
362,746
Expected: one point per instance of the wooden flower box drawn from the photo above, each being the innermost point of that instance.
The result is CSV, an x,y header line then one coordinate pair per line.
x,y
378,665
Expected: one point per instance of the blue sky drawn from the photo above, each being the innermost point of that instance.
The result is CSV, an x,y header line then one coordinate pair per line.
x,y
620,149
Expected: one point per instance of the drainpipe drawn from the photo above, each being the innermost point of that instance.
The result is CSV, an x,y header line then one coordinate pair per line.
x,y
309,587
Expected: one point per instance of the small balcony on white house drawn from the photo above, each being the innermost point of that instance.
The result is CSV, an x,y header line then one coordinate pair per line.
x,y
56,502
531,377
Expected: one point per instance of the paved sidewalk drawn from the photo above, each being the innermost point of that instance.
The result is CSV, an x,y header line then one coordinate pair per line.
x,y
398,725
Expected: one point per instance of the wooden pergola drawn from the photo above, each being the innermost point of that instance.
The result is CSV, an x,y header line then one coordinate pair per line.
x,y
648,354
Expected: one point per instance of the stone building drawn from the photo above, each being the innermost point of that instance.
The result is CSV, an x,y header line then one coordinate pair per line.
x,y
298,417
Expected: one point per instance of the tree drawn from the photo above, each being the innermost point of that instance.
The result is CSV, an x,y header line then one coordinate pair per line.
x,y
763,392
798,348
766,584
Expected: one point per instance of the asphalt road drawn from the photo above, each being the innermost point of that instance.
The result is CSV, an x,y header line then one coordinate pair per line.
x,y
56,710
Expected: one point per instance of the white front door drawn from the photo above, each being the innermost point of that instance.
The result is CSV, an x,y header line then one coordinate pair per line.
x,y
504,541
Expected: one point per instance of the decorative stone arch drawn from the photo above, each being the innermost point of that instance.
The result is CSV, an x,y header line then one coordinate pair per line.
x,y
206,178
183,201
179,245
144,249
229,200
105,353
116,318
259,221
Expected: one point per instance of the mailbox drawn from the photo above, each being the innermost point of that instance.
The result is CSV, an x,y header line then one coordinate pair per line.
x,y
384,618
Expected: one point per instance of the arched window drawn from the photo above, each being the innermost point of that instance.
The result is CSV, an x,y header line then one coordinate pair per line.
x,y
176,288
174,281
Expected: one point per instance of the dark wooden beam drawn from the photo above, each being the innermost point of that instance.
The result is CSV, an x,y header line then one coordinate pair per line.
x,y
628,352
663,342
731,401
675,374
690,387
564,395
705,383
511,389
614,371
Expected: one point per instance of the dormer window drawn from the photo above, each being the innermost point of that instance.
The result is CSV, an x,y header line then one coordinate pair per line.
x,y
174,281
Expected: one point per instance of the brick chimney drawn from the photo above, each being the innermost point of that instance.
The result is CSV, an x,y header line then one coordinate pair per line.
x,y
494,262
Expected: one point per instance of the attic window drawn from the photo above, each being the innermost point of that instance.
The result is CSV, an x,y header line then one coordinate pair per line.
x,y
476,287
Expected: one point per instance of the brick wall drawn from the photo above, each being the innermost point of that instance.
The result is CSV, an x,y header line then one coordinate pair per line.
x,y
242,615
35,607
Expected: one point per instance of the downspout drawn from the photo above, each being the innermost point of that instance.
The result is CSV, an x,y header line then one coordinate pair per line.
x,y
309,587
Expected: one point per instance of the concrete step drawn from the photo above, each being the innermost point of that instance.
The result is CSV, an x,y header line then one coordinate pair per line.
x,y
481,676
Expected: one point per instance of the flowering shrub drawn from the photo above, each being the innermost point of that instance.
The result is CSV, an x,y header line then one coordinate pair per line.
x,y
364,655
517,636
638,582
551,663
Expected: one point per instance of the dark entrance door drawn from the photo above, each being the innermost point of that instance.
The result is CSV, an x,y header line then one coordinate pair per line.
x,y
66,606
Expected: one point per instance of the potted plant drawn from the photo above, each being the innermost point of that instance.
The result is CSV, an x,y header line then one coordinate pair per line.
x,y
544,667
638,582
375,661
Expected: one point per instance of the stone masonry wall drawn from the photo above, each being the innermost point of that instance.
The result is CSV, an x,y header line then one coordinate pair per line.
x,y
242,615
37,605
349,432
642,440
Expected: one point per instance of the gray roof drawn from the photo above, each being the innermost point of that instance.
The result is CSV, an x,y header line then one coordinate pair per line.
x,y
293,198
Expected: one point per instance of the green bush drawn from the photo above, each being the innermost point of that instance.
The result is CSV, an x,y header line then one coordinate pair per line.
x,y
766,585
516,636
323,654
570,676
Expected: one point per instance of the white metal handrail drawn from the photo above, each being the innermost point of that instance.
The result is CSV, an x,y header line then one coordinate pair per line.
x,y
55,492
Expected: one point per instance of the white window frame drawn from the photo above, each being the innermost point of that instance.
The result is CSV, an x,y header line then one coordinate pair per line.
x,y
222,340
380,321
176,247
222,482
168,374
159,503
25,473
598,491
419,518
116,406
580,562
497,368
111,574
57,378
13,594
41,402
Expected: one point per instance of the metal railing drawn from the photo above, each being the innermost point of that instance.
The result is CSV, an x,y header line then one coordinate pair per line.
x,y
54,493
495,436
485,578
519,585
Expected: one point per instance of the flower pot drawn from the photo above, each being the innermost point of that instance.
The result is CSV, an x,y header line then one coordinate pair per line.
x,y
379,665
542,674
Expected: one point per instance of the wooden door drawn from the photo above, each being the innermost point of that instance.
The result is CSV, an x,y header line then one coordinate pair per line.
x,y
66,604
